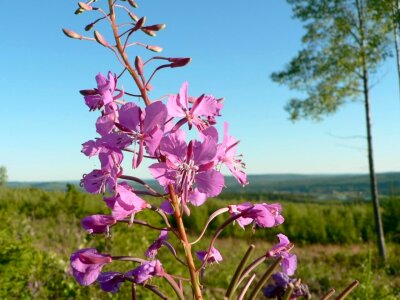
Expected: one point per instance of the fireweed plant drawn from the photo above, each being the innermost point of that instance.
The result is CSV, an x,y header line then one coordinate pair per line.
x,y
189,172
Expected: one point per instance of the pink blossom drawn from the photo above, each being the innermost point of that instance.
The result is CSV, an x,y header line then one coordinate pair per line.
x,y
203,108
96,181
104,94
146,271
125,202
86,265
146,127
110,281
97,223
213,257
188,165
263,215
227,156
289,261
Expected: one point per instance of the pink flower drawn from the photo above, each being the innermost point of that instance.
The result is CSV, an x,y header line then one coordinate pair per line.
x,y
289,261
145,127
146,271
86,265
227,156
125,202
110,281
188,165
263,215
213,257
152,251
203,108
98,223
96,181
104,94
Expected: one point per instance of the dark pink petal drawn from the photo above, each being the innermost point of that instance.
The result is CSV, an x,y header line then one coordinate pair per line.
x,y
204,152
210,131
129,116
152,251
105,124
153,141
146,271
95,182
174,108
210,182
162,173
167,207
213,257
205,106
197,198
110,159
156,115
91,148
174,146
97,223
110,281
94,101
116,140
240,176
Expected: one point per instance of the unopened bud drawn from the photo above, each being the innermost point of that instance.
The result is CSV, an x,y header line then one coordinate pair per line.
x,y
79,11
149,87
139,24
72,34
139,65
133,3
89,26
155,27
88,92
179,61
100,39
133,17
84,6
149,32
154,48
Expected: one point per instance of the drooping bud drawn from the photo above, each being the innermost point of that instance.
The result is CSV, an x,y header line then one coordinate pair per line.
x,y
139,24
180,61
133,17
79,11
100,39
139,65
84,6
154,48
88,27
156,27
149,87
72,34
133,3
149,32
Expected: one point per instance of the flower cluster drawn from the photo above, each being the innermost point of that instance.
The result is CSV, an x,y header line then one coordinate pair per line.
x,y
186,156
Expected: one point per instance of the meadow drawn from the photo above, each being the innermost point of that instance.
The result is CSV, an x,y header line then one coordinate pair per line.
x,y
333,241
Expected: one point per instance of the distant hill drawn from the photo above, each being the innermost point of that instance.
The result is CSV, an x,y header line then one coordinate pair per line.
x,y
322,186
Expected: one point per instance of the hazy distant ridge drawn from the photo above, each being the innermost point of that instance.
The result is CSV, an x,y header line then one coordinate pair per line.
x,y
337,185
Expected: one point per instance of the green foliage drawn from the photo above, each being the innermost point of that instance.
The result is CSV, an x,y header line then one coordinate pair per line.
x,y
41,229
3,176
343,41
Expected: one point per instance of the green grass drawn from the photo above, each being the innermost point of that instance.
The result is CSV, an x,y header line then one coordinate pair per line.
x,y
41,229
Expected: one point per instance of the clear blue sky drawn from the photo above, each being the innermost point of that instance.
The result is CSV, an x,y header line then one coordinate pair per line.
x,y
234,45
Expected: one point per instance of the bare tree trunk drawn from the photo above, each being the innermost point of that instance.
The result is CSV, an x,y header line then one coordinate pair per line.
x,y
372,175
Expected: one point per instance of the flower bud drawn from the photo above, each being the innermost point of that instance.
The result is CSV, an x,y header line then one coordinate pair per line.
x,y
139,65
156,27
84,6
179,62
139,24
133,3
149,32
88,27
100,39
133,17
71,34
154,48
79,11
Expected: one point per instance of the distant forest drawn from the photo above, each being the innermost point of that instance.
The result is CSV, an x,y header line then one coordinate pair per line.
x,y
319,187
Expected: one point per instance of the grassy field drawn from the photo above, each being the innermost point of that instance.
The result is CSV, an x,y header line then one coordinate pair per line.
x,y
41,229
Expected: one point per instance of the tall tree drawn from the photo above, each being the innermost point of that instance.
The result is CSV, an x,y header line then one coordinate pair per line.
x,y
344,44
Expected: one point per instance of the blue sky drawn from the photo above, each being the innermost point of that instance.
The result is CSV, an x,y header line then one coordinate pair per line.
x,y
234,48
